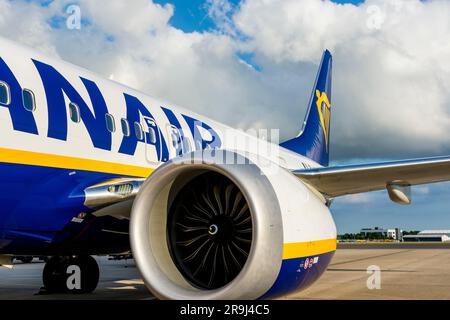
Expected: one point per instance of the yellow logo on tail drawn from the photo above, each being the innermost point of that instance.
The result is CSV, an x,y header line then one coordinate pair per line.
x,y
324,109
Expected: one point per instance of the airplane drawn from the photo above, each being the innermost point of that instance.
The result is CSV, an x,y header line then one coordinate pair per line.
x,y
89,166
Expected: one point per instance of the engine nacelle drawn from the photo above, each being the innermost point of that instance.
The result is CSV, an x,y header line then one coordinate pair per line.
x,y
209,227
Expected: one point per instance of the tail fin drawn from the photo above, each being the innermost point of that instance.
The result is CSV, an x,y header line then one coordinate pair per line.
x,y
314,141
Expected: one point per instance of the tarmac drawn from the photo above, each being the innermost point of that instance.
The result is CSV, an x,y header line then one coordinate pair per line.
x,y
119,280
413,272
419,271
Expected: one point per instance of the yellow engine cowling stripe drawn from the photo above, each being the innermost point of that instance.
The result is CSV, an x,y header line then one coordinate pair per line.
x,y
306,249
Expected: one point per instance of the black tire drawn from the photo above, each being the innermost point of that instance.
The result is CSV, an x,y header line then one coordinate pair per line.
x,y
90,274
24,259
27,259
56,274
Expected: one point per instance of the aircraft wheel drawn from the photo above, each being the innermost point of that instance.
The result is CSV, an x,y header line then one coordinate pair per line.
x,y
55,274
90,273
26,259
78,274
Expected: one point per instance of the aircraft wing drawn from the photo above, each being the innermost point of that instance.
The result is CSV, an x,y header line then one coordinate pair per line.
x,y
342,180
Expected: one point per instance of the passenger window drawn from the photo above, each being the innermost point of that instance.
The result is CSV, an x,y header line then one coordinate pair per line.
x,y
152,135
175,137
110,123
138,131
187,145
74,112
125,127
29,101
175,141
5,95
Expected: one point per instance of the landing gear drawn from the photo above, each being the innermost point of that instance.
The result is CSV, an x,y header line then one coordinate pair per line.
x,y
70,274
25,259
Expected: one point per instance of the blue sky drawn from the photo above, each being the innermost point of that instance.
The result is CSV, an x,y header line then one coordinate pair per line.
x,y
192,15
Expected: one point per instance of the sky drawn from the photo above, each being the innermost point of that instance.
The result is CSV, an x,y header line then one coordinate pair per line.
x,y
193,15
252,64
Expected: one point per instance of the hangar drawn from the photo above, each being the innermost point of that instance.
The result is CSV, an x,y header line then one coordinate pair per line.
x,y
429,236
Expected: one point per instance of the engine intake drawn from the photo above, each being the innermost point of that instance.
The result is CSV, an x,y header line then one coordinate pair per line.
x,y
209,230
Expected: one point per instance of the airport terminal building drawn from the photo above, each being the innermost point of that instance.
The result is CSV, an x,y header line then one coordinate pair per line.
x,y
429,236
393,233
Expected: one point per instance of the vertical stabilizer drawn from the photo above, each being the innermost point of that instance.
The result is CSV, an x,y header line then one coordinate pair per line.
x,y
314,140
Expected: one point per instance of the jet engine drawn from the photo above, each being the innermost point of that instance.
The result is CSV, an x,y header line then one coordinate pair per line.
x,y
220,225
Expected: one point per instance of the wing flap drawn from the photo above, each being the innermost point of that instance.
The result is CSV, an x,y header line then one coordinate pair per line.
x,y
342,180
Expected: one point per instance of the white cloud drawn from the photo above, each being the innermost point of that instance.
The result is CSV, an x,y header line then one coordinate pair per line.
x,y
422,190
391,92
391,83
361,198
